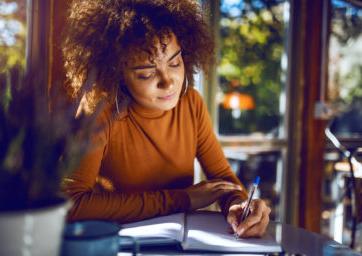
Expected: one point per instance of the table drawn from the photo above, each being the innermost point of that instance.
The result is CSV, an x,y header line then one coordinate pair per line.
x,y
295,241
299,241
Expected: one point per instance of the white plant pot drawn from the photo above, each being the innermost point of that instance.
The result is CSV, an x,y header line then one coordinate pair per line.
x,y
35,232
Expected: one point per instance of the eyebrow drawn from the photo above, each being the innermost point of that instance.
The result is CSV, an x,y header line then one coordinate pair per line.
x,y
152,65
174,55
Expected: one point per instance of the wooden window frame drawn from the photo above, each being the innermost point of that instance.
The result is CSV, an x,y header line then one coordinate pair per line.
x,y
39,13
301,200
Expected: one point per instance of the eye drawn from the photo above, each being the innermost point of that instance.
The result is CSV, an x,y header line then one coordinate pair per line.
x,y
175,64
145,76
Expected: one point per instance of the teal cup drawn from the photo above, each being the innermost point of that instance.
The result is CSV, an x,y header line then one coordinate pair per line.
x,y
91,238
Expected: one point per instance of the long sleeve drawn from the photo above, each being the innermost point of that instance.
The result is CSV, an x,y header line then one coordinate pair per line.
x,y
91,201
124,207
211,156
139,165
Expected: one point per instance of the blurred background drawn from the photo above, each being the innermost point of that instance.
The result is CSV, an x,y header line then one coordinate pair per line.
x,y
288,75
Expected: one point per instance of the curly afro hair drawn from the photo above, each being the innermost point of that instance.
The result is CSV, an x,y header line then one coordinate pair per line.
x,y
101,32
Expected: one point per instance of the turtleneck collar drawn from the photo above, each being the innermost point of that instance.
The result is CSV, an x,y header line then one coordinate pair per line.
x,y
146,112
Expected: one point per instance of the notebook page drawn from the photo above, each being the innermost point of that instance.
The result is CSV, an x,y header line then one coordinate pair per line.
x,y
209,232
170,226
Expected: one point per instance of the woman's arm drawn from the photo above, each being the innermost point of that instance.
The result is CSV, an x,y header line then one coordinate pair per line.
x,y
90,202
211,156
215,165
124,207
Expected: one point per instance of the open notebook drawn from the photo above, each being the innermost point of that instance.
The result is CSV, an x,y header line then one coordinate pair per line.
x,y
200,231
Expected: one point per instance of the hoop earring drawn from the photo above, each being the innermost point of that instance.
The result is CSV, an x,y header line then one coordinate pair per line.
x,y
186,86
122,100
117,107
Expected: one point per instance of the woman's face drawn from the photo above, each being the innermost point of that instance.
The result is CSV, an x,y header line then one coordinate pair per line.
x,y
156,84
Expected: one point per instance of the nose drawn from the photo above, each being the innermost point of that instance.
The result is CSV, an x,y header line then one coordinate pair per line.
x,y
165,81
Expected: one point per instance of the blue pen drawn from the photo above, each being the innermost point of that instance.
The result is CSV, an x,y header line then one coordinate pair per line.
x,y
250,196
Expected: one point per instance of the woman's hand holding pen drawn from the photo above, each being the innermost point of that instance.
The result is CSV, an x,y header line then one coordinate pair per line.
x,y
207,192
255,223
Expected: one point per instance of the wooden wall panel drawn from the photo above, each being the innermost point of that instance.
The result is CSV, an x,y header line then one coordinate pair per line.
x,y
58,18
313,138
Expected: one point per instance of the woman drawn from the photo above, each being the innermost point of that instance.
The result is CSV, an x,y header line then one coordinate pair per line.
x,y
142,55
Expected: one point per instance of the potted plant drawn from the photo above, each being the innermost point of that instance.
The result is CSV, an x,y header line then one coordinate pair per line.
x,y
38,147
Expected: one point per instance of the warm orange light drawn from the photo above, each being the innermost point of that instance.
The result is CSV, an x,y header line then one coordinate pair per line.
x,y
237,100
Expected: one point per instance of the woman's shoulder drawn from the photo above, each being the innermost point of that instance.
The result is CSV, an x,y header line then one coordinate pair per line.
x,y
99,108
101,116
109,113
194,102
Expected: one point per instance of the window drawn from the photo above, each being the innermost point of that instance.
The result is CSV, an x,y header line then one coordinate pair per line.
x,y
13,29
252,67
248,99
344,92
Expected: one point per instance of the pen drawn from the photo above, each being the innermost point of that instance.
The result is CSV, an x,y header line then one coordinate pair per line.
x,y
250,196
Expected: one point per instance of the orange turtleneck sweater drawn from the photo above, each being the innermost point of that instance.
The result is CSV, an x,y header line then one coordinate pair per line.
x,y
140,164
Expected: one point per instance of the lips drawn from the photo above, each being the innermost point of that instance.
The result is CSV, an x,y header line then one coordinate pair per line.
x,y
167,97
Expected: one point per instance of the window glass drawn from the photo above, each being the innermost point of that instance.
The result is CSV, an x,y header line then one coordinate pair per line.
x,y
345,68
250,99
13,27
251,162
344,91
252,67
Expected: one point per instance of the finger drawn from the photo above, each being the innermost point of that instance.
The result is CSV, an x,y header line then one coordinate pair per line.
x,y
258,229
247,224
200,184
216,194
255,211
209,184
215,180
256,208
226,186
233,217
